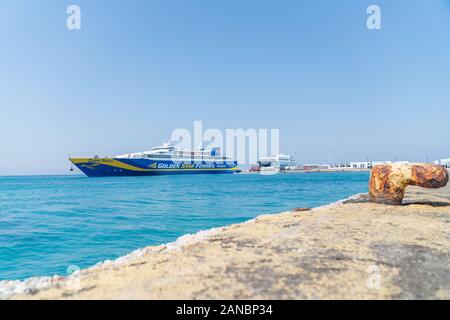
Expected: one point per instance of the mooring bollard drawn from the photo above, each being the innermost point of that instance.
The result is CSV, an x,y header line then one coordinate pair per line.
x,y
388,182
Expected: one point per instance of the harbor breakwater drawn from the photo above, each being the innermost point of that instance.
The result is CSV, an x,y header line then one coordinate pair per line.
x,y
352,249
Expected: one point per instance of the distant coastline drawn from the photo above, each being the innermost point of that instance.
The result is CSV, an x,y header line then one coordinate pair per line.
x,y
310,171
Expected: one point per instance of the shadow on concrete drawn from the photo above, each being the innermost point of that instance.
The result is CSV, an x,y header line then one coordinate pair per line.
x,y
428,203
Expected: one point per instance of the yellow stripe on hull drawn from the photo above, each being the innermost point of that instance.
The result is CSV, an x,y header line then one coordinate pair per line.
x,y
118,164
107,162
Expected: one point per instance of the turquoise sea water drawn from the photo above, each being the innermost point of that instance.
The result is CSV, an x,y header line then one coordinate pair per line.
x,y
49,223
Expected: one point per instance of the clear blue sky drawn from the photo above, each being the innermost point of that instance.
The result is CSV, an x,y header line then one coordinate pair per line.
x,y
139,69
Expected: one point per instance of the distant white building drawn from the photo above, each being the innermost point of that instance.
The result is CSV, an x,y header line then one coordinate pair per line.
x,y
307,167
443,162
361,165
376,163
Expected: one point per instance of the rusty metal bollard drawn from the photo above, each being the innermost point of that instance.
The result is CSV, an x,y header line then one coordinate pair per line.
x,y
388,182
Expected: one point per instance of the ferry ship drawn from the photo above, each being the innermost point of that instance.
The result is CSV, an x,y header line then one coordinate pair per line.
x,y
165,159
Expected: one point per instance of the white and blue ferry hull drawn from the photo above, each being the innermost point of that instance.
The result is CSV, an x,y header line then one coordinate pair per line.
x,y
111,167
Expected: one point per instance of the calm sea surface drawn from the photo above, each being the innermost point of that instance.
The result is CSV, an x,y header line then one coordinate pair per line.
x,y
49,223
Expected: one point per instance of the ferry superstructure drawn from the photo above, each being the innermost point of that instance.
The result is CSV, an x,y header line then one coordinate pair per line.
x,y
165,159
